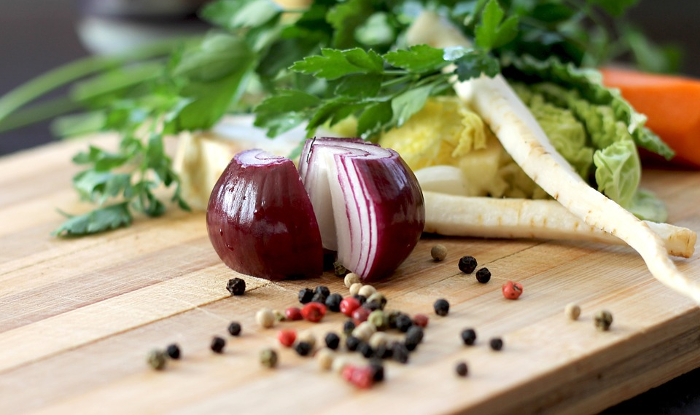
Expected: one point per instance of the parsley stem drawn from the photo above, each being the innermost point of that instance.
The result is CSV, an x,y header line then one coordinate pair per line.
x,y
38,113
398,80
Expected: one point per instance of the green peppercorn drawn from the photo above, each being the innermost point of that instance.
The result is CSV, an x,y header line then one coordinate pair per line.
x,y
279,315
217,344
442,307
236,286
378,319
391,317
468,337
173,351
339,269
483,275
462,369
603,320
234,328
467,264
438,252
496,343
302,348
332,340
156,359
268,358
572,311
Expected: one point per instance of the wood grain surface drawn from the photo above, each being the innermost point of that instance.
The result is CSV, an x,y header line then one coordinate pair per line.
x,y
77,317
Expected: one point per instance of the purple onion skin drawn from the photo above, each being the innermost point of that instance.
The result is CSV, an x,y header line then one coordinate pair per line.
x,y
261,222
400,211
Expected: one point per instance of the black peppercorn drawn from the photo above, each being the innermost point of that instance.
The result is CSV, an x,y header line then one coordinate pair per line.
x,y
352,342
173,351
303,348
372,305
361,298
217,344
468,336
467,264
400,353
461,369
442,307
483,275
348,327
323,290
333,302
377,370
319,298
365,349
236,286
403,322
234,328
305,295
414,333
332,340
496,343
383,351
391,318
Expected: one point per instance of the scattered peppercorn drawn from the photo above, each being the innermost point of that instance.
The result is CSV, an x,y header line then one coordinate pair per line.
x,y
377,370
333,302
467,264
348,327
399,352
265,318
603,320
323,290
378,319
414,336
403,322
351,278
361,298
268,358
461,369
339,363
279,316
420,320
287,337
352,342
360,315
483,275
496,343
365,349
217,344
236,286
305,295
438,252
302,348
307,336
361,377
319,298
572,311
293,314
468,337
364,331
391,316
366,291
378,339
512,290
372,305
442,307
379,298
313,312
383,351
325,358
156,359
234,328
355,288
349,305
339,269
332,340
173,351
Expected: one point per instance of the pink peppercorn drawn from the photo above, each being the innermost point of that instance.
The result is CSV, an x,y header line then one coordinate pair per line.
x,y
349,305
360,315
362,377
287,337
347,372
512,290
420,320
313,312
293,314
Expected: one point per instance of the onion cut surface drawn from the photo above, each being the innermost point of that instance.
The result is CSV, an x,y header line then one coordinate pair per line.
x,y
260,219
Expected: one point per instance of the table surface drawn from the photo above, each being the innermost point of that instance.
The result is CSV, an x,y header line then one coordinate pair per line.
x,y
33,52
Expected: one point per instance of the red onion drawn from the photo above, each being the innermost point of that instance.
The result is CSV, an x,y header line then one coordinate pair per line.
x,y
260,220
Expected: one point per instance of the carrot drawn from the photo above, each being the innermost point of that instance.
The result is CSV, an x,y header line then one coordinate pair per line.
x,y
671,104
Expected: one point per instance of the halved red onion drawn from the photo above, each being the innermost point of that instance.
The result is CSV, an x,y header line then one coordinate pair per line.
x,y
376,212
260,220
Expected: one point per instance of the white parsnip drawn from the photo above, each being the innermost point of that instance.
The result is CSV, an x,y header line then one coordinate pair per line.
x,y
489,217
522,137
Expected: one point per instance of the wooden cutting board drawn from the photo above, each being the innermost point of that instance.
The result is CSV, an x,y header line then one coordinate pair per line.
x,y
77,317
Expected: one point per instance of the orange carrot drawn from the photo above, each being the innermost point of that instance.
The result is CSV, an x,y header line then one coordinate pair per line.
x,y
671,103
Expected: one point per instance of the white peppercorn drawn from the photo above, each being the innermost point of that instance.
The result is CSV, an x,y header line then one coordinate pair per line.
x,y
364,331
351,278
378,339
367,290
355,288
339,363
307,337
265,318
438,252
572,311
325,358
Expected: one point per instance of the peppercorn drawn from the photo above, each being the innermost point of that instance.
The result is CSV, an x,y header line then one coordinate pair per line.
x,y
268,358
512,290
333,302
483,275
496,343
379,298
468,337
279,316
234,328
265,318
287,337
383,351
415,333
313,312
293,314
351,278
364,331
319,298
323,290
302,348
173,351
305,295
339,269
365,349
377,370
391,317
355,288
339,363
236,286
360,315
366,291
378,339
360,377
372,305
156,359
325,358
420,320
349,305
442,307
348,327
603,320
307,336
378,319
352,342
399,352
461,369
361,298
403,322
332,340
572,311
467,264
217,344
438,252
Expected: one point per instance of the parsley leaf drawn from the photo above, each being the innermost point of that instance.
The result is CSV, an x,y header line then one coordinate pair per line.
x,y
334,63
235,14
418,59
345,18
98,220
491,33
